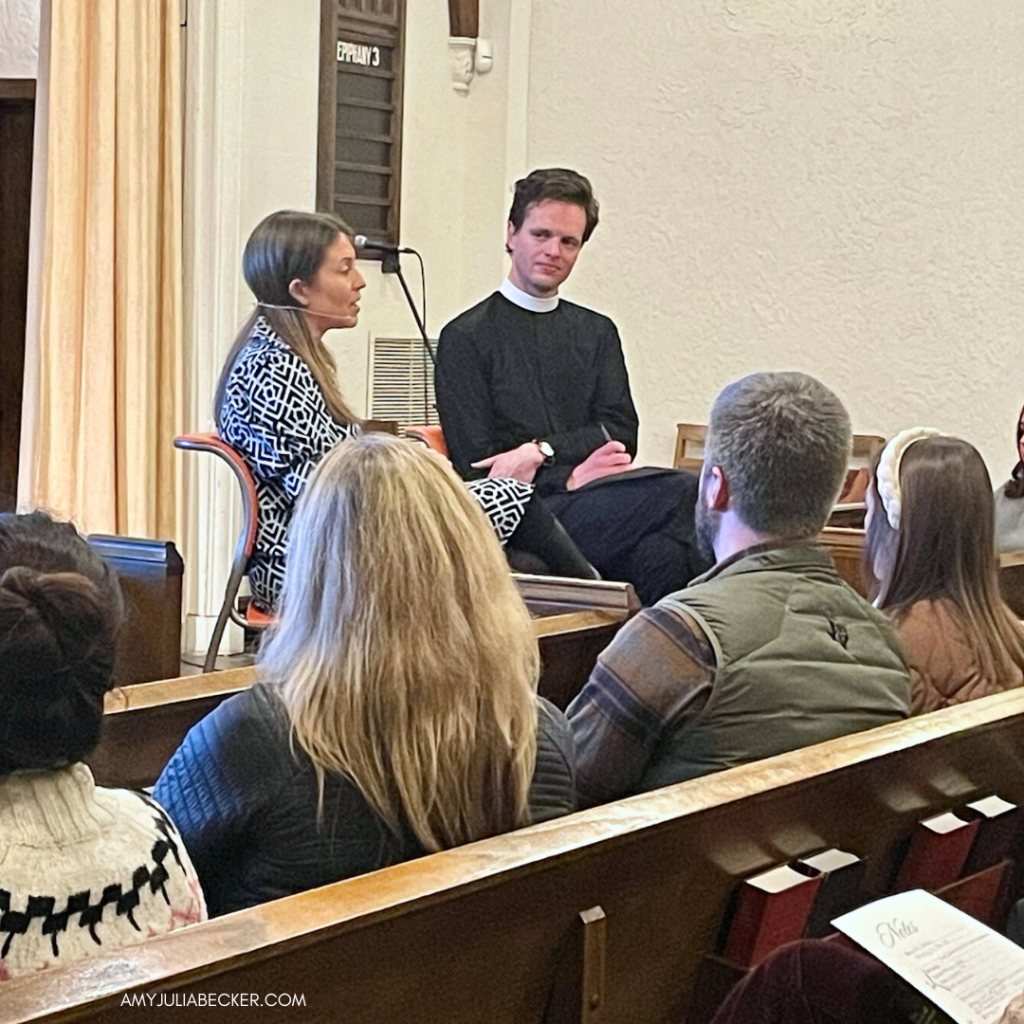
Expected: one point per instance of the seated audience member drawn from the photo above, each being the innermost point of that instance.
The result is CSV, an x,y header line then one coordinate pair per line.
x,y
399,715
768,651
929,546
1009,502
83,870
817,982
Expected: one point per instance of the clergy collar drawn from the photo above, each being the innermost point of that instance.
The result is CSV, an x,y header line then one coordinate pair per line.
x,y
526,301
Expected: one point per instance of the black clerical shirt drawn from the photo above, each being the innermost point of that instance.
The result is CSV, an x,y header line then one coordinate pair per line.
x,y
506,375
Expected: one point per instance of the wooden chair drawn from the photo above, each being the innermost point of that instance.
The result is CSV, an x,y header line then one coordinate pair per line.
x,y
689,455
690,438
253,618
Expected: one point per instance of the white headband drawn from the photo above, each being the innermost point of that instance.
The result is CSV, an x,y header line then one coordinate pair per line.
x,y
888,477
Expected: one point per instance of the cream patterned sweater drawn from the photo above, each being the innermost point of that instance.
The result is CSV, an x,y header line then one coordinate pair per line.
x,y
84,870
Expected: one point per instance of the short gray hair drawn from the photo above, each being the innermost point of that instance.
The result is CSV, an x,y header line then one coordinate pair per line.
x,y
783,443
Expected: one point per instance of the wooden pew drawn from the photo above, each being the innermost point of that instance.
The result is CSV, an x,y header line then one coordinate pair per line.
x,y
150,573
1011,580
505,930
847,547
574,620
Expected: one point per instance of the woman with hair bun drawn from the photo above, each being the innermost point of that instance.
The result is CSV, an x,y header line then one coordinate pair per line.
x,y
930,550
83,869
398,711
279,405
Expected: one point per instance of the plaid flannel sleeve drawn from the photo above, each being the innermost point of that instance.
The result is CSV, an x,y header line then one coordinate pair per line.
x,y
655,674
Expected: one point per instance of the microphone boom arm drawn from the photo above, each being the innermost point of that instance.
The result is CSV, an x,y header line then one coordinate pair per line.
x,y
391,264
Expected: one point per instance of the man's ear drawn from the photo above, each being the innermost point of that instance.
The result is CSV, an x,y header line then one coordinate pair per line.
x,y
716,489
299,291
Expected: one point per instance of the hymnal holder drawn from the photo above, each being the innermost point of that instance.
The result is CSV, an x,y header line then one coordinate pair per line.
x,y
937,852
999,824
842,888
771,909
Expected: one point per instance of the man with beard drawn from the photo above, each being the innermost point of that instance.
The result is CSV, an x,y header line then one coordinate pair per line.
x,y
768,651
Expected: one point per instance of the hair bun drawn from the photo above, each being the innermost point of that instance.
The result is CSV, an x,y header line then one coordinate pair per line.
x,y
68,603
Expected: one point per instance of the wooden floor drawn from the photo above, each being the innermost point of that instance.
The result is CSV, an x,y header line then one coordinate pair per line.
x,y
192,664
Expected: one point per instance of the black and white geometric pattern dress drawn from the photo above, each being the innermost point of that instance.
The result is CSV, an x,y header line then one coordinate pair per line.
x,y
275,417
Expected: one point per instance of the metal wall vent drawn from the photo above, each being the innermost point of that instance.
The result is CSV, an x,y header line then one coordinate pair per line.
x,y
401,382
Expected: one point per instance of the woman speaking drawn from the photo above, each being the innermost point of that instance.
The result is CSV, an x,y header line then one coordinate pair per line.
x,y
279,405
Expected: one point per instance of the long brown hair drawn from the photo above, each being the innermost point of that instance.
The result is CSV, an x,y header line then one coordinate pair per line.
x,y
407,659
286,245
944,548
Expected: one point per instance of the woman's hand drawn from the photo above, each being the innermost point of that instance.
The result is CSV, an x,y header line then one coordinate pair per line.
x,y
609,459
520,463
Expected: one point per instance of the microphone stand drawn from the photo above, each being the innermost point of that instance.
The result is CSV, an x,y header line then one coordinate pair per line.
x,y
392,264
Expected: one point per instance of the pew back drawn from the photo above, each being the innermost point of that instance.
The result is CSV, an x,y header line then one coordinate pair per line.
x,y
847,547
144,724
689,455
479,933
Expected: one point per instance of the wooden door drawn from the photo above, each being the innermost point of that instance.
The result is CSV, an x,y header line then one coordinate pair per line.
x,y
17,115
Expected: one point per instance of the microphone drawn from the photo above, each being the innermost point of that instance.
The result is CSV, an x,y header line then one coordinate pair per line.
x,y
362,242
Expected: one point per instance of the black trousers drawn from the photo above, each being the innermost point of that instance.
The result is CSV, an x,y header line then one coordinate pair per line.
x,y
637,528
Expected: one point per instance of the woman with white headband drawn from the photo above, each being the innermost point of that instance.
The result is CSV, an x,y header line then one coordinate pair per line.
x,y
931,552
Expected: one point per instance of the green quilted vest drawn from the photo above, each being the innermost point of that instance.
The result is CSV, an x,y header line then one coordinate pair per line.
x,y
801,658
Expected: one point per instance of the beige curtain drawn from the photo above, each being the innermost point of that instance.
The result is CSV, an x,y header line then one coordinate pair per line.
x,y
110,386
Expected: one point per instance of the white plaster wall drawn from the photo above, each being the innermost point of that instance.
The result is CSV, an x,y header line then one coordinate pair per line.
x,y
19,38
830,185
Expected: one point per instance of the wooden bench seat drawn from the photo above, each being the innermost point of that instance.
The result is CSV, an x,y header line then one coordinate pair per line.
x,y
488,932
574,621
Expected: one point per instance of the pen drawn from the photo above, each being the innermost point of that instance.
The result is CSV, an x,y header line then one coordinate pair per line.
x,y
604,430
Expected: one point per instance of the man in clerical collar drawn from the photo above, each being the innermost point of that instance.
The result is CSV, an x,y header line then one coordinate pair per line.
x,y
532,386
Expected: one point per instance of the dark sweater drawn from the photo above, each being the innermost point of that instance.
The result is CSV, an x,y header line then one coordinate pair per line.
x,y
245,801
506,375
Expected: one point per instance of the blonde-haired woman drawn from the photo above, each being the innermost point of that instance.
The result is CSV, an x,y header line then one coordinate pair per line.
x,y
399,712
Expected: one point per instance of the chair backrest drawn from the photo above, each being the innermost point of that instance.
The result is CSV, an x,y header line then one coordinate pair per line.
x,y
432,436
250,505
690,438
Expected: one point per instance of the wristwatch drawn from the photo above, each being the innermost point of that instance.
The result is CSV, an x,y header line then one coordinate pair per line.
x,y
546,450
